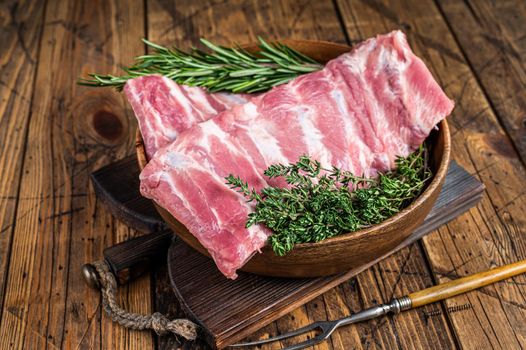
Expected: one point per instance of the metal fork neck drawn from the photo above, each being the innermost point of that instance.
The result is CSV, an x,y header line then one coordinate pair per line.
x,y
395,306
400,304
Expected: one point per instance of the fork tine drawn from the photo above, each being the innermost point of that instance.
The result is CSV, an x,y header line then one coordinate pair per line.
x,y
294,333
308,342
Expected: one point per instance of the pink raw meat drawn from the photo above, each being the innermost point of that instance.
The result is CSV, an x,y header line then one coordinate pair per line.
x,y
359,113
164,109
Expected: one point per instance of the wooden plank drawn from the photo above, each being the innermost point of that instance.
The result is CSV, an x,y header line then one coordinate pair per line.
x,y
491,234
72,130
19,33
492,37
182,23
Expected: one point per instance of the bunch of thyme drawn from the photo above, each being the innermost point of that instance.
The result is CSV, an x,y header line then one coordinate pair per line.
x,y
322,203
223,69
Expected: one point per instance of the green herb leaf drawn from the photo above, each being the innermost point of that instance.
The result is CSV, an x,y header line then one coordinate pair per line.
x,y
223,69
323,203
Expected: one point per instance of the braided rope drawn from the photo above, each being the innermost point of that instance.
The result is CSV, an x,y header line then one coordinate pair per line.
x,y
156,321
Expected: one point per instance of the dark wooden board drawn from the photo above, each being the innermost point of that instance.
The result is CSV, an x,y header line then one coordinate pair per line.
x,y
117,186
229,310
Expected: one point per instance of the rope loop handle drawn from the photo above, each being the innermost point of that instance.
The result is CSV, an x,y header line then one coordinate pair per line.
x,y
156,321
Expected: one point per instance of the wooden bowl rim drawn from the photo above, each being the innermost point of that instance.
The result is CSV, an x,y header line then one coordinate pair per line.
x,y
369,231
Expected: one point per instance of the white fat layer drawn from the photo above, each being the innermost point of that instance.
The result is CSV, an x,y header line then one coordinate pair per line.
x,y
420,110
156,123
357,62
378,116
174,160
267,144
231,98
170,132
152,124
210,128
249,111
200,98
259,235
175,92
145,129
312,136
166,177
352,135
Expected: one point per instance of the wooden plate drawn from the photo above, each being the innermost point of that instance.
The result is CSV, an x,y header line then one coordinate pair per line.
x,y
344,252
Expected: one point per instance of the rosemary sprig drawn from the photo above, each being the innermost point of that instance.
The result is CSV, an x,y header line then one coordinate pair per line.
x,y
319,203
223,69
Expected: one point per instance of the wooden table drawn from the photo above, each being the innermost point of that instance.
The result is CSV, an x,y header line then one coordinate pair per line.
x,y
54,133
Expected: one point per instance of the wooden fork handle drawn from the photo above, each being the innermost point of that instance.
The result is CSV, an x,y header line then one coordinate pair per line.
x,y
466,284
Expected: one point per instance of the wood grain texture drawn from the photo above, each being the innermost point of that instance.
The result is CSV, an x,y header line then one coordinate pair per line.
x,y
491,35
20,32
492,234
184,22
59,225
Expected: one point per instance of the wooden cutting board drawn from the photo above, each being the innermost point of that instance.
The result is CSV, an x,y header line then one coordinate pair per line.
x,y
229,310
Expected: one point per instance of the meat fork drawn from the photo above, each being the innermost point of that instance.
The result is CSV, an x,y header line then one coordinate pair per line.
x,y
413,300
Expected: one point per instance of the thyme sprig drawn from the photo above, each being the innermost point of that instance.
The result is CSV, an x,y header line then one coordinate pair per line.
x,y
223,69
322,203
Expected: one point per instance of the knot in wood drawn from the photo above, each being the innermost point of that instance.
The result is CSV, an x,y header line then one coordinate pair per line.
x,y
107,125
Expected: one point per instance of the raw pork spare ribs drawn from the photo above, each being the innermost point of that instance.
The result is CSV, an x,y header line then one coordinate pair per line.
x,y
164,109
359,113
